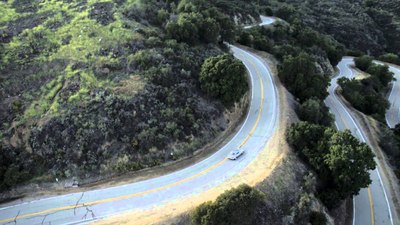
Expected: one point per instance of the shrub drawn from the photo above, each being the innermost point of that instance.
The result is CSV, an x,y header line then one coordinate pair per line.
x,y
300,76
224,77
317,218
236,206
390,58
382,73
363,96
363,62
315,111
341,161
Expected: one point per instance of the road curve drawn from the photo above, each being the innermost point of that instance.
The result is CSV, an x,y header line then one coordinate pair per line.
x,y
265,20
256,130
393,113
373,205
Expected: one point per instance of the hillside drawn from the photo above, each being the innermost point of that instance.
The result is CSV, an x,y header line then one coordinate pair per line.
x,y
370,26
98,87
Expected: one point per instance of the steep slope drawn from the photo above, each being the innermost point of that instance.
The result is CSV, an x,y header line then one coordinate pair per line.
x,y
370,26
99,87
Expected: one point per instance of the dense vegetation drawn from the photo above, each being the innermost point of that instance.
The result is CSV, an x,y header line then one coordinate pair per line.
x,y
315,111
368,94
394,152
390,58
98,87
389,141
248,205
236,206
301,78
340,160
306,56
223,77
370,26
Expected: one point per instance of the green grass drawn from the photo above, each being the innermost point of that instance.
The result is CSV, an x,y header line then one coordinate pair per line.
x,y
86,37
7,13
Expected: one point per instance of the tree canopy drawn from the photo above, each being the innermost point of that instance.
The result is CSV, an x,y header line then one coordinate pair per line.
x,y
300,76
315,111
224,77
236,206
340,160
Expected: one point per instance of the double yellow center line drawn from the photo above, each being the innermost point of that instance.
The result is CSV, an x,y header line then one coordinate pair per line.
x,y
53,210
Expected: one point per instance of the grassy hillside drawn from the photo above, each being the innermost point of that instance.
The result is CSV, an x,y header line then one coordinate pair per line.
x,y
96,87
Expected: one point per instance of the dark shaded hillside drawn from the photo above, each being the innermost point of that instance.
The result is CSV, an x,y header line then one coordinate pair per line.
x,y
367,25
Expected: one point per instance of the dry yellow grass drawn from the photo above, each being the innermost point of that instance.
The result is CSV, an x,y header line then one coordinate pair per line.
x,y
130,86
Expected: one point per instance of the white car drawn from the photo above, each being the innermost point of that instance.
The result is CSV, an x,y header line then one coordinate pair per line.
x,y
233,155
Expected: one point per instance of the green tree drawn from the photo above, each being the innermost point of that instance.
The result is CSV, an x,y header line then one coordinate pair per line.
x,y
340,160
363,62
382,73
350,162
228,28
300,76
286,12
236,206
224,77
315,111
210,31
363,95
186,28
390,58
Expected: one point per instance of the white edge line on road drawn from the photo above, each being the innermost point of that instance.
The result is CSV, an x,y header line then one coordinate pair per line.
x,y
390,96
274,97
78,193
362,136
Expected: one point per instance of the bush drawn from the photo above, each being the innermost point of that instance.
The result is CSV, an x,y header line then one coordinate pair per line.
x,y
236,206
286,12
390,58
315,111
363,96
318,218
223,77
340,160
363,62
300,76
382,73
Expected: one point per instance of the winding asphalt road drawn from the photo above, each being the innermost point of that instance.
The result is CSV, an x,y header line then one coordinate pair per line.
x,y
256,130
393,113
373,205
265,20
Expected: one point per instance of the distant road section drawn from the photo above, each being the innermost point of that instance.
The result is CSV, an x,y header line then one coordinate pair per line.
x,y
373,205
256,130
393,113
265,20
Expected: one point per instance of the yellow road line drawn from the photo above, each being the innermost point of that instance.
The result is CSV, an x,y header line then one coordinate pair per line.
x,y
260,109
155,189
371,204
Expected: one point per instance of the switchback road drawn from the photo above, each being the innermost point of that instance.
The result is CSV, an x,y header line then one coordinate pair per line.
x,y
373,205
259,125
